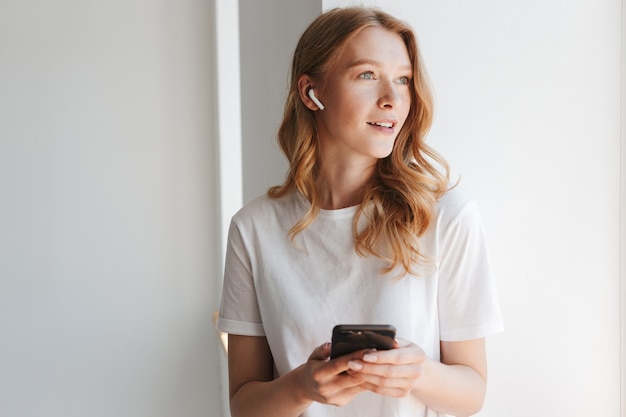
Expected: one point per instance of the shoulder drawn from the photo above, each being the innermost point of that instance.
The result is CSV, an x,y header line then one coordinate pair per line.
x,y
456,206
454,202
265,209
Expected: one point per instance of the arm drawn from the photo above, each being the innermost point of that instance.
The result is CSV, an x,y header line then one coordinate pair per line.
x,y
456,385
250,374
254,392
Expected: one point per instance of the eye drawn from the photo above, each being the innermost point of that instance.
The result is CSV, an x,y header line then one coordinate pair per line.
x,y
367,75
403,80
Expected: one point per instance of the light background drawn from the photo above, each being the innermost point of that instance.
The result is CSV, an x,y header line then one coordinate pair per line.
x,y
109,261
131,130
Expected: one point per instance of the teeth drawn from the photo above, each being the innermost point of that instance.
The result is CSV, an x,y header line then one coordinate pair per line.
x,y
383,124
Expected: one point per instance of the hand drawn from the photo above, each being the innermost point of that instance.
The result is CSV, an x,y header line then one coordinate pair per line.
x,y
326,381
393,373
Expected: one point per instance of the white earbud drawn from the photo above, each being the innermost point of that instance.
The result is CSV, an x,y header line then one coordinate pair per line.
x,y
315,99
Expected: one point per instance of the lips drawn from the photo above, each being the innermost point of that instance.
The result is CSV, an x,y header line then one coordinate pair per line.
x,y
383,123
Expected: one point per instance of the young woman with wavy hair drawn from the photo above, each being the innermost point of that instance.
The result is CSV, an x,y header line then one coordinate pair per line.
x,y
365,229
404,186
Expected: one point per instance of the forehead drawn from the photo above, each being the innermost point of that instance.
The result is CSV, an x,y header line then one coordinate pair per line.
x,y
375,44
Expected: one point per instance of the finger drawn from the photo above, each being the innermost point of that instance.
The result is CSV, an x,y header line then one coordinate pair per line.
x,y
388,377
331,371
321,352
378,372
342,362
400,343
392,391
411,354
342,396
340,365
352,390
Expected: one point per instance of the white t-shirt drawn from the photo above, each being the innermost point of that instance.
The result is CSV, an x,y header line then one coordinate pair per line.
x,y
293,293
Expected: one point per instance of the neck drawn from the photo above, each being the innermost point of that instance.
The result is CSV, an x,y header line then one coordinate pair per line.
x,y
340,188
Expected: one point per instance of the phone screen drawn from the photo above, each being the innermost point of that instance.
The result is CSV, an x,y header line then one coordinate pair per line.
x,y
349,338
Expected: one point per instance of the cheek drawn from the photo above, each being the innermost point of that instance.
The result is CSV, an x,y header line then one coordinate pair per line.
x,y
347,109
406,106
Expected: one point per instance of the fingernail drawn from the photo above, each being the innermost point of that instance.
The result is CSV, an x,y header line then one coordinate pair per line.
x,y
370,358
355,366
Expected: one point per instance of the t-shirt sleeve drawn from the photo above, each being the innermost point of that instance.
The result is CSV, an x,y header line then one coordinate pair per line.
x,y
467,297
239,309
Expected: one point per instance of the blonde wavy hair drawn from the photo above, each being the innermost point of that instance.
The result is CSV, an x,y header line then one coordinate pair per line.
x,y
400,200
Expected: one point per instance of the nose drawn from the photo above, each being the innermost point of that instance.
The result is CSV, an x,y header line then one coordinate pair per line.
x,y
389,95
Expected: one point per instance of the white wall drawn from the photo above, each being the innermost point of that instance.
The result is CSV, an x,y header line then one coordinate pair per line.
x,y
623,211
528,113
229,141
108,224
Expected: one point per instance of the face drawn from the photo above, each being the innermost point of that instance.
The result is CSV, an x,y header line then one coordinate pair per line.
x,y
367,97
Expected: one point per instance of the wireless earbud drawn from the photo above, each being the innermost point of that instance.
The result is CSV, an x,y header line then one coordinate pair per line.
x,y
315,99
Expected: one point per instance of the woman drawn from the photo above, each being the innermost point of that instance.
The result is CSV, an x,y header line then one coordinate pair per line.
x,y
365,229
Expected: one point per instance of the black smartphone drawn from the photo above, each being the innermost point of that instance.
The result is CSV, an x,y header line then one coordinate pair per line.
x,y
349,338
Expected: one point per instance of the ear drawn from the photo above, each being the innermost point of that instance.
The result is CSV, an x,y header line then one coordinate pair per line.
x,y
305,83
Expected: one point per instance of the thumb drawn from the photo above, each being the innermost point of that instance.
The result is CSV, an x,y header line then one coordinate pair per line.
x,y
321,352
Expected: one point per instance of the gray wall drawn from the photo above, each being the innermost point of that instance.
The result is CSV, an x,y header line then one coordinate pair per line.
x,y
108,236
269,31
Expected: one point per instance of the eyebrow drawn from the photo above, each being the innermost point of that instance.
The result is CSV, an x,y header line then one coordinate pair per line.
x,y
373,62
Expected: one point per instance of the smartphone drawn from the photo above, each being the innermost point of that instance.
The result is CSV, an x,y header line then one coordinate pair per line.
x,y
349,338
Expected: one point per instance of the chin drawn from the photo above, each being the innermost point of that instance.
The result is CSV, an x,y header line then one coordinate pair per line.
x,y
384,154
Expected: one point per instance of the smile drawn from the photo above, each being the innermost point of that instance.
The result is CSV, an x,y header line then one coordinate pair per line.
x,y
381,124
